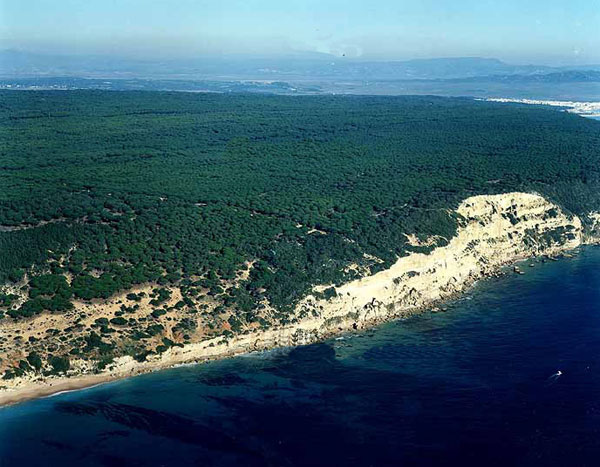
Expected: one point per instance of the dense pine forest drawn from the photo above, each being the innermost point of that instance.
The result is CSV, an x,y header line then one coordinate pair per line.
x,y
100,191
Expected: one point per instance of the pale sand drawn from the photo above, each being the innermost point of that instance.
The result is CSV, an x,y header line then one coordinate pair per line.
x,y
38,390
56,385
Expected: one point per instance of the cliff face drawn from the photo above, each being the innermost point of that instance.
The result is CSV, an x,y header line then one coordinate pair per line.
x,y
494,230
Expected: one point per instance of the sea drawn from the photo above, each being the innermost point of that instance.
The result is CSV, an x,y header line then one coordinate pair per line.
x,y
509,375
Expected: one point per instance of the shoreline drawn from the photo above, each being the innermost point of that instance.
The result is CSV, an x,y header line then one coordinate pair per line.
x,y
488,241
64,385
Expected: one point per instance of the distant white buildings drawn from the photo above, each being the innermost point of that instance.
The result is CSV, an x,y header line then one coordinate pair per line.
x,y
585,109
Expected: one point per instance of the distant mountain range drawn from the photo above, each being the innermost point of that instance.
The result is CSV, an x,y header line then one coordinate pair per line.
x,y
302,73
305,66
567,76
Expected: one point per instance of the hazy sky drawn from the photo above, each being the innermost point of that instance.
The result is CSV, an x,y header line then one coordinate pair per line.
x,y
538,31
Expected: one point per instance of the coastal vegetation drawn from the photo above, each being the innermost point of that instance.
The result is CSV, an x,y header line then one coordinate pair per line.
x,y
203,215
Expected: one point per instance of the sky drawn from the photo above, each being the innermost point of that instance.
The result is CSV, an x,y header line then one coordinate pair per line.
x,y
554,32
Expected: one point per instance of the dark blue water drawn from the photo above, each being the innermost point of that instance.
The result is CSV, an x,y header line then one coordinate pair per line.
x,y
472,386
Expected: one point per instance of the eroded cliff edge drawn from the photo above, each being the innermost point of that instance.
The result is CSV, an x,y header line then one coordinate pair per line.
x,y
494,230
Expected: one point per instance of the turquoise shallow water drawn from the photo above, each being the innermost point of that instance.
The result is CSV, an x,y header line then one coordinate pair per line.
x,y
472,386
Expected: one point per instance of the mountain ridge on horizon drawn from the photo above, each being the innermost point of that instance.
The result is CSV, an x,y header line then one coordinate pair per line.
x,y
305,65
